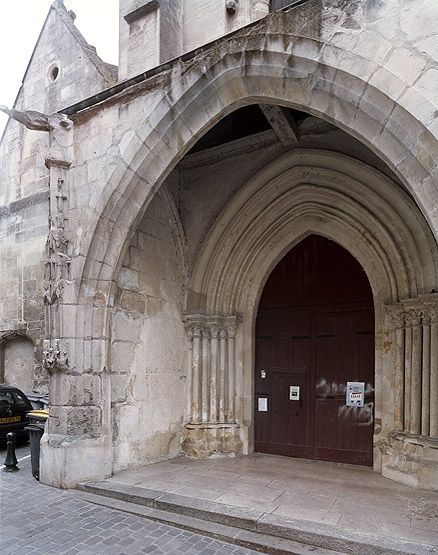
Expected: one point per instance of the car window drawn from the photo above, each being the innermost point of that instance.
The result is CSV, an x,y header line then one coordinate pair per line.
x,y
19,399
6,398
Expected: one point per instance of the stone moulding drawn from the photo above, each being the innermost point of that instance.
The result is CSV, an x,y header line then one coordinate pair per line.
x,y
212,427
143,10
58,262
49,162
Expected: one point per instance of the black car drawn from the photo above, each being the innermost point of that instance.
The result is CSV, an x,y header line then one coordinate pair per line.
x,y
14,406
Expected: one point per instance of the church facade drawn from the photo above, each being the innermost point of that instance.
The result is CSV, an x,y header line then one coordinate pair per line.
x,y
229,243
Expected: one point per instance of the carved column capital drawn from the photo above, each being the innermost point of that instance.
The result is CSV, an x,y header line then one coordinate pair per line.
x,y
413,318
426,317
421,310
397,318
214,331
193,329
231,324
211,325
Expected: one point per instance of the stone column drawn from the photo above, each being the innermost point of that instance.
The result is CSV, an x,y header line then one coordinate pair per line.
x,y
408,372
399,322
223,337
417,344
416,366
212,427
231,374
434,374
205,374
194,334
214,376
426,375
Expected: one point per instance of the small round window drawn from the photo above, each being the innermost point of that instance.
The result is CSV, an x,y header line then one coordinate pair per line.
x,y
53,73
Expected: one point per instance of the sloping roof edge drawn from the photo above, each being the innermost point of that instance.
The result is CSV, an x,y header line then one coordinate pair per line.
x,y
108,71
120,86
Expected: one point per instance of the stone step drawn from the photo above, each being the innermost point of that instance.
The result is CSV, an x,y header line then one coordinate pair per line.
x,y
244,538
254,526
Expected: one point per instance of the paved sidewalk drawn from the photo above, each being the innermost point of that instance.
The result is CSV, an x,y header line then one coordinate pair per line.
x,y
37,519
342,496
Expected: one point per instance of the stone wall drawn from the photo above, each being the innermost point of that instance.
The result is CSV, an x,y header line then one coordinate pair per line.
x,y
23,229
149,346
207,20
18,363
152,32
63,69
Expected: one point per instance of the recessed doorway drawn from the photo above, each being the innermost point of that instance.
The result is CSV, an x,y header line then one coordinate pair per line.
x,y
315,333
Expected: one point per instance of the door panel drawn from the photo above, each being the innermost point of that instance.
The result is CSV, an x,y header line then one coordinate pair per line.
x,y
322,337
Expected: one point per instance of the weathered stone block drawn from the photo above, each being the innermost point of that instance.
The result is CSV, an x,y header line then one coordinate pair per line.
x,y
120,388
133,302
127,278
209,440
154,306
125,326
84,421
123,353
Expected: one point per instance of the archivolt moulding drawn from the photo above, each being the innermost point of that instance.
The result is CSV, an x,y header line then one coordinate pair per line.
x,y
314,191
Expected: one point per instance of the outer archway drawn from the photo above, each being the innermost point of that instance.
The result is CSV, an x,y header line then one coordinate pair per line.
x,y
314,334
278,60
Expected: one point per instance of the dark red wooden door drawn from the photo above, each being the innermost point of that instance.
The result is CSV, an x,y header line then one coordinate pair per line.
x,y
315,330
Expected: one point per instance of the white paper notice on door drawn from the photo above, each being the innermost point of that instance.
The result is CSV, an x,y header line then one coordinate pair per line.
x,y
263,404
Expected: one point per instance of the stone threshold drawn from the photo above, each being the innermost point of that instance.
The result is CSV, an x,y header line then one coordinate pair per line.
x,y
250,528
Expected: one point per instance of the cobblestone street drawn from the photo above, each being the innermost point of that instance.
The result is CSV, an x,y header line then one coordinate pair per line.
x,y
39,519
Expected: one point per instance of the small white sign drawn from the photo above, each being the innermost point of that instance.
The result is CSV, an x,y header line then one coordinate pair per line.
x,y
355,394
294,392
263,404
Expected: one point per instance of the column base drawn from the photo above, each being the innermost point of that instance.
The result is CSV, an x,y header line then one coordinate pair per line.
x,y
212,440
411,460
64,462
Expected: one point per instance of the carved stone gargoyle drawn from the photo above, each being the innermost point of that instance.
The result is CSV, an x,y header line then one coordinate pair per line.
x,y
37,121
231,6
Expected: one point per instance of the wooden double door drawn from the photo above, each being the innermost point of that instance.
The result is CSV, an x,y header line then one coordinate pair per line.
x,y
315,333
